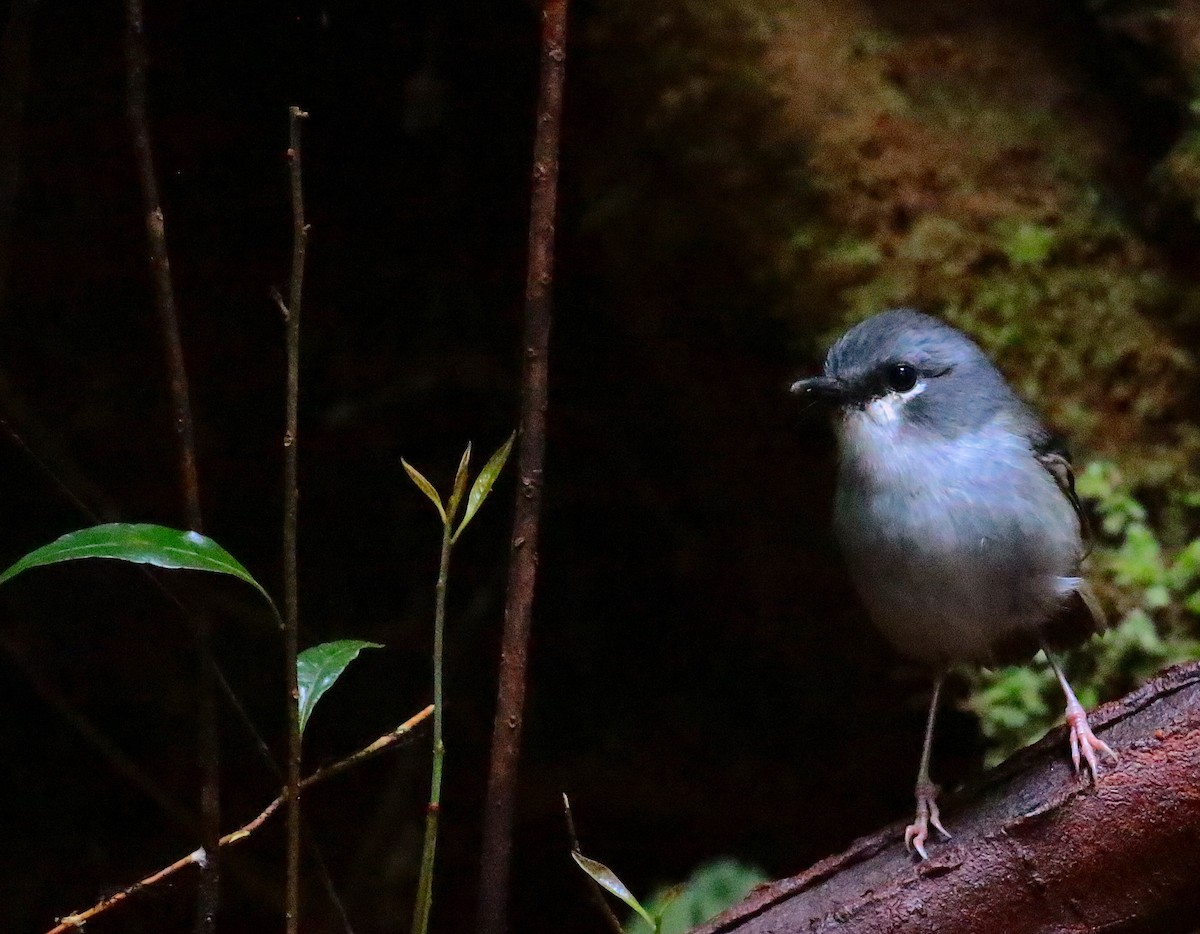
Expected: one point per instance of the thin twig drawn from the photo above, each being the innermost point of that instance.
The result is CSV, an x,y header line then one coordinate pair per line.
x,y
160,266
136,59
314,850
510,701
597,893
314,853
13,404
98,740
77,920
291,505
105,746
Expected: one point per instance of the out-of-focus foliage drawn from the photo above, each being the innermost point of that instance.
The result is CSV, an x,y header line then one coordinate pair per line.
x,y
708,891
1152,585
839,158
1031,178
973,200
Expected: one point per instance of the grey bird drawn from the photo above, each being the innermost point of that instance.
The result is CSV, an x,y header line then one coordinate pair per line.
x,y
956,512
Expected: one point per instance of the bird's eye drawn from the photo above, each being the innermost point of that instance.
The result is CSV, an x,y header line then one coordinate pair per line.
x,y
901,377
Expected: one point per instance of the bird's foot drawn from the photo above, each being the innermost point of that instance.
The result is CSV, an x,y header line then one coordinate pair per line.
x,y
916,833
1084,743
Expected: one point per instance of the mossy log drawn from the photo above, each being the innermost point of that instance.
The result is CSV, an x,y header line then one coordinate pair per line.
x,y
1034,848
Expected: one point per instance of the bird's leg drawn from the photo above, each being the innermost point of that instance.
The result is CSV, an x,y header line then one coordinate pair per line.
x,y
916,833
1083,740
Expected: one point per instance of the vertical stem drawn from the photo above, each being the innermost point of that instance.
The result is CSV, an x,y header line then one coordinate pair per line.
x,y
424,900
499,802
160,266
136,63
291,507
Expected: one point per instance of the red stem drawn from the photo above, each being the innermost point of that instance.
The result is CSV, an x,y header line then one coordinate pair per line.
x,y
291,445
510,702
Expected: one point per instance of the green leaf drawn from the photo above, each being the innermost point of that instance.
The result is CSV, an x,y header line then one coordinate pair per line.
x,y
318,666
425,487
708,891
460,483
607,880
139,543
484,482
1156,597
1186,566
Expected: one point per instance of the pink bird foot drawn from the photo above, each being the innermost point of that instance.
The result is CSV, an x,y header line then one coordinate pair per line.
x,y
1084,741
916,833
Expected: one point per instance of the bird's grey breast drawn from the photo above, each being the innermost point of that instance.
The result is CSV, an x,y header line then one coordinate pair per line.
x,y
953,543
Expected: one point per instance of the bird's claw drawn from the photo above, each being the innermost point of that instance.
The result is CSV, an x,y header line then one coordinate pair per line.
x,y
916,833
1085,743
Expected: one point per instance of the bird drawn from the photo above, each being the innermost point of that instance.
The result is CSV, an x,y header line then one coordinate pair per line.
x,y
956,512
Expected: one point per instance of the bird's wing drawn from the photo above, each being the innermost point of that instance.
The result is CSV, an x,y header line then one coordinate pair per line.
x,y
1054,458
1086,612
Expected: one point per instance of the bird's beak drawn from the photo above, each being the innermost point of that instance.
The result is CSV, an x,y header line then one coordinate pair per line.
x,y
820,389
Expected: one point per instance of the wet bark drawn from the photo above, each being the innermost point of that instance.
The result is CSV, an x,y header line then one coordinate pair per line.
x,y
1034,849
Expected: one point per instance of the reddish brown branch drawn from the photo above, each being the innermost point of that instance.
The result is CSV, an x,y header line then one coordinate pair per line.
x,y
1034,849
160,266
291,503
510,701
76,921
208,895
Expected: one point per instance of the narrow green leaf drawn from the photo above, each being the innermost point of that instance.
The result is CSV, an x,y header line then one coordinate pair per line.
x,y
483,483
425,487
139,543
460,483
607,880
318,666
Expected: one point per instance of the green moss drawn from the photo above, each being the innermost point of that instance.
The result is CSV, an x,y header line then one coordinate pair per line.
x,y
1049,280
841,169
1025,243
993,213
1179,171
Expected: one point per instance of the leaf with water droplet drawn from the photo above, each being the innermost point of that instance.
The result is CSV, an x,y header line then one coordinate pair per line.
x,y
607,880
139,543
319,666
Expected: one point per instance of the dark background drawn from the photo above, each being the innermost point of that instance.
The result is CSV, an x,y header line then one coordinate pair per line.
x,y
703,682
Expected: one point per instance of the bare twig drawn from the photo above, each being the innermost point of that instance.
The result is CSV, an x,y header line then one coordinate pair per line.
x,y
290,512
77,920
98,740
314,853
594,889
136,59
160,266
510,700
